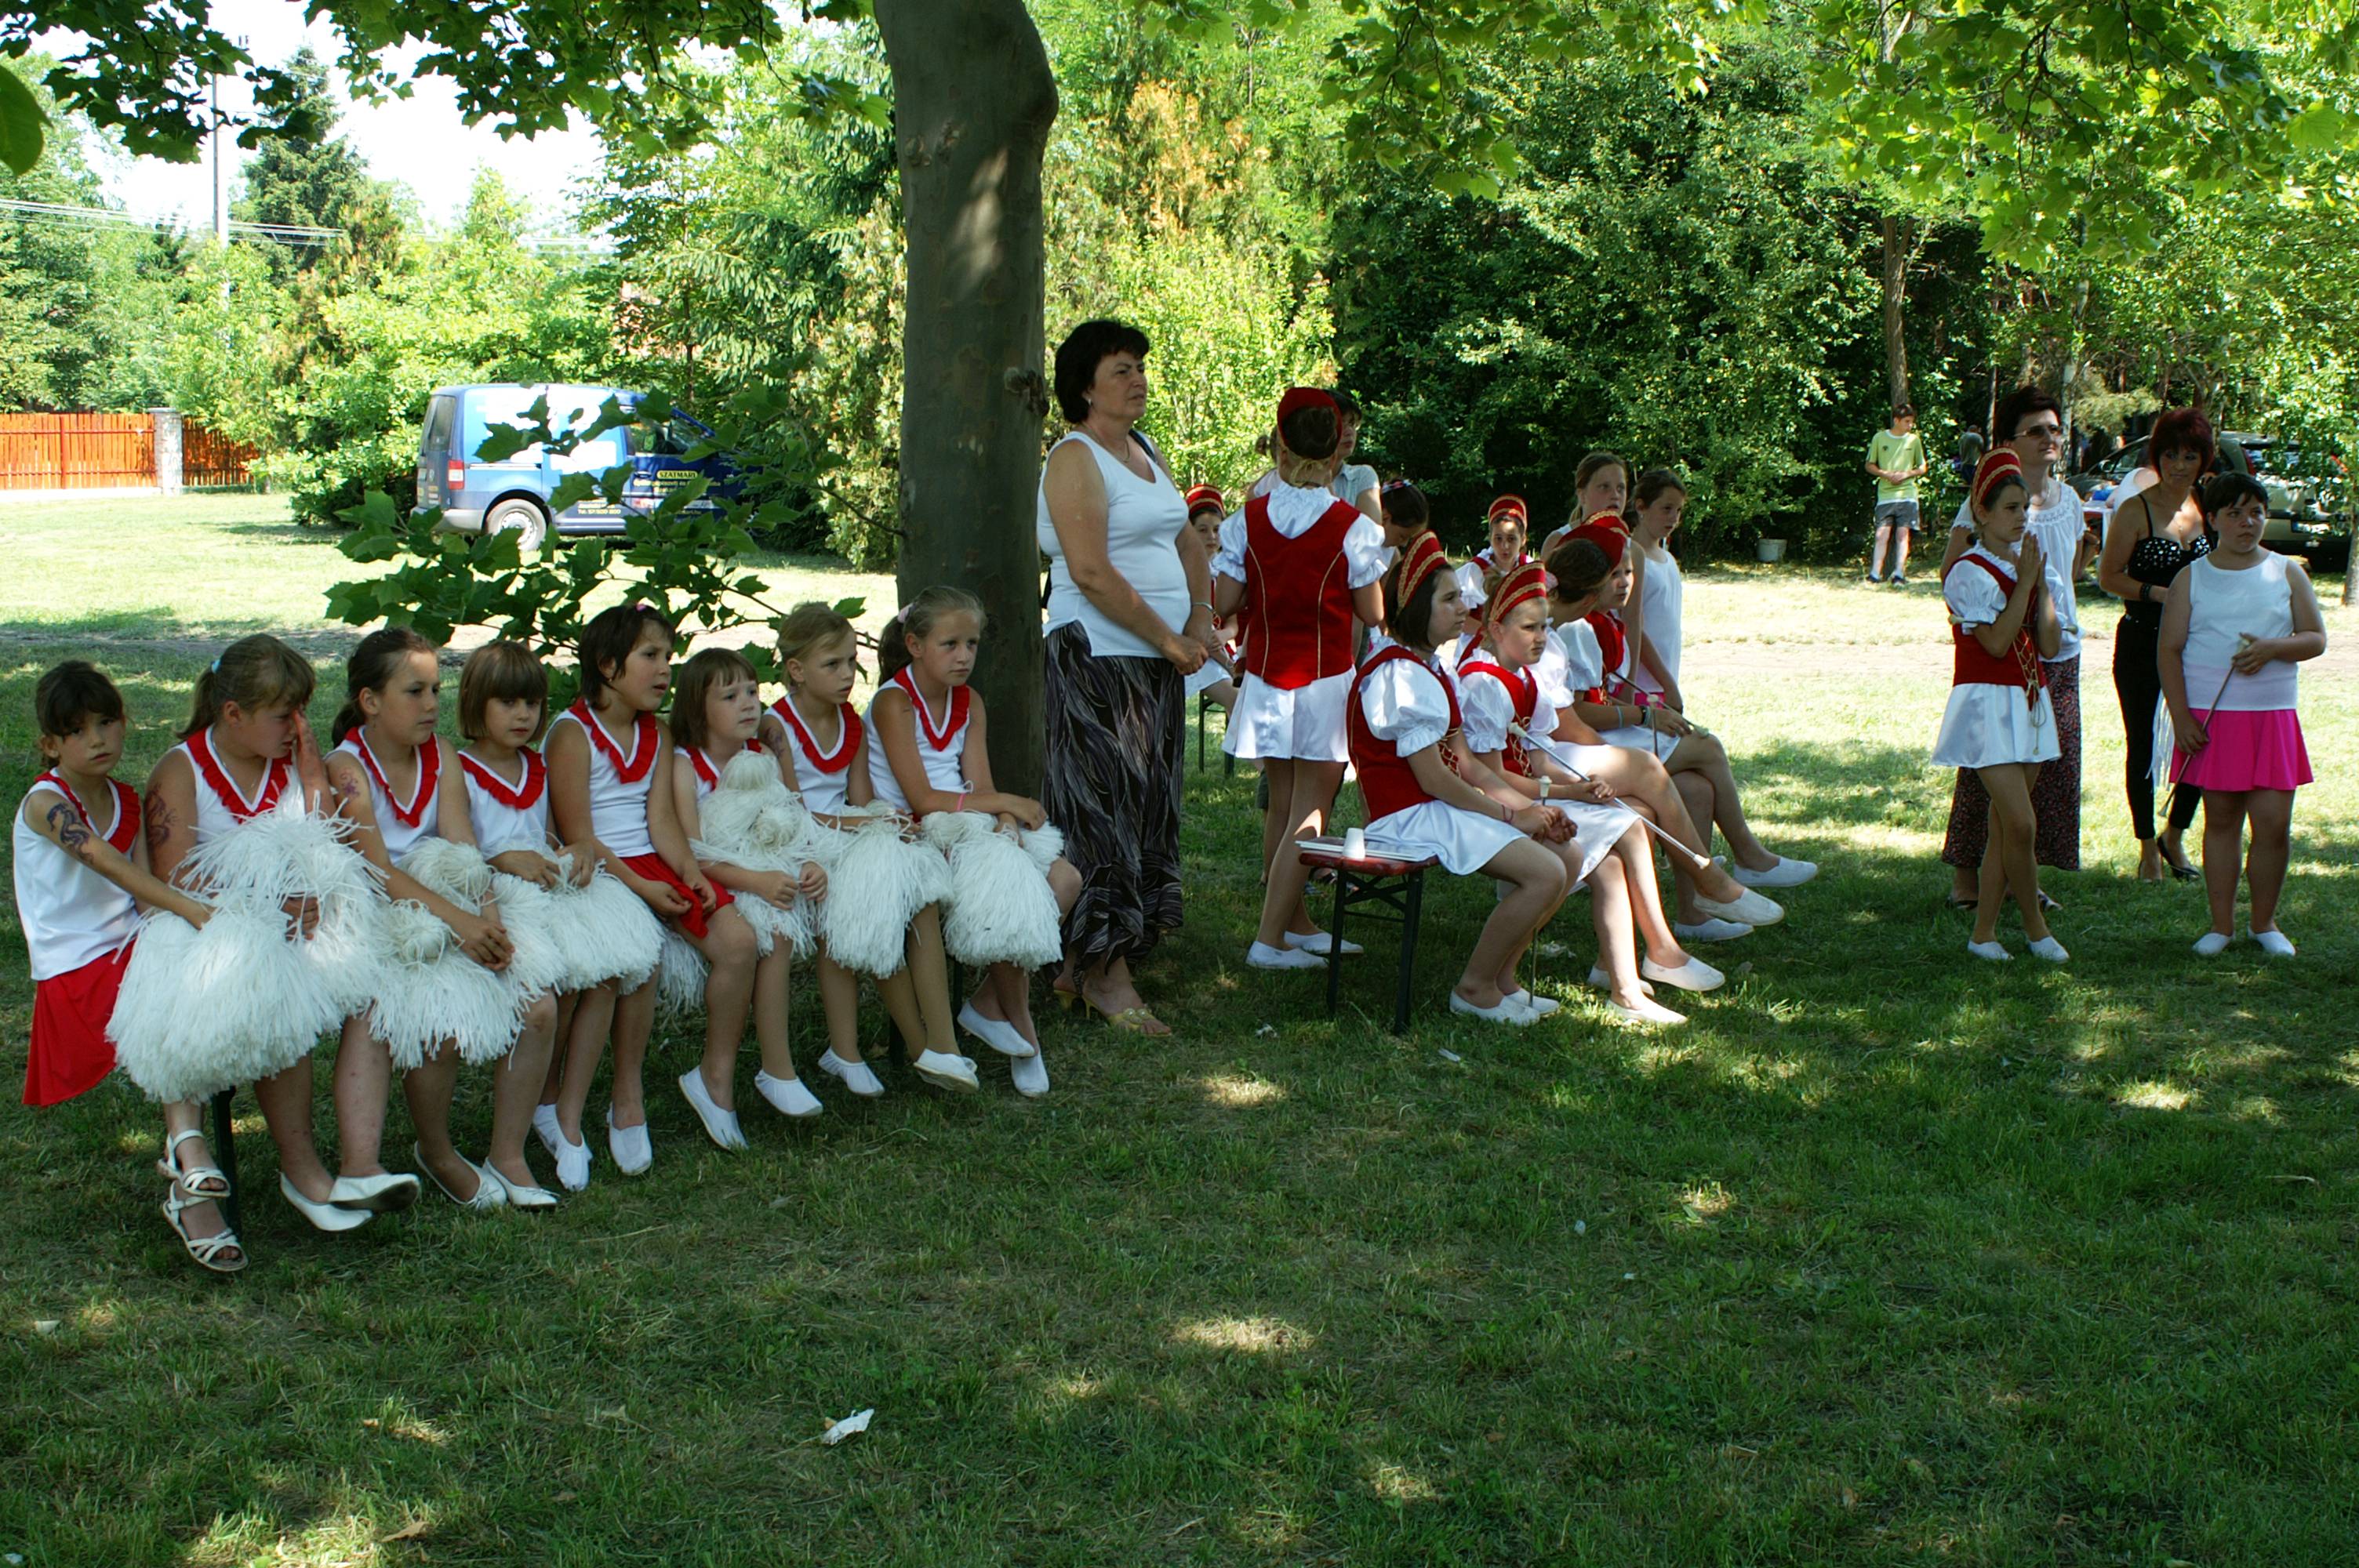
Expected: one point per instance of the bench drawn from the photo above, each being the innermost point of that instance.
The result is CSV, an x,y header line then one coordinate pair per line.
x,y
1372,883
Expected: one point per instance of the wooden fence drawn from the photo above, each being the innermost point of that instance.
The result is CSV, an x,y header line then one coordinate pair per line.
x,y
105,451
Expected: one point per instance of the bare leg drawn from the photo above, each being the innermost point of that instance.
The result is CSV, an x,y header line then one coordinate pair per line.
x,y
1900,551
1507,977
1279,772
919,997
363,1081
2270,812
596,1015
1005,995
1646,900
1677,804
839,994
1609,915
1536,885
772,978
730,954
429,1089
1705,755
1876,549
516,1087
635,1019
2223,846
286,1100
202,1217
2014,827
1300,792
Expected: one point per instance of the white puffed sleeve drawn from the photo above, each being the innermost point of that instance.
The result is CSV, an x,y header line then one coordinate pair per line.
x,y
1365,552
1974,596
1470,585
1229,558
1584,660
1554,674
1486,710
1404,703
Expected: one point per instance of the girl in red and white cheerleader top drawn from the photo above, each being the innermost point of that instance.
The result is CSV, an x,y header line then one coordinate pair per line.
x,y
1999,720
750,949
451,996
1427,796
81,875
610,788
1302,568
1510,523
1011,890
893,930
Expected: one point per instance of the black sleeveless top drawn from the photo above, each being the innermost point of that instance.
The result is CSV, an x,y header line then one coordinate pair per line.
x,y
2159,558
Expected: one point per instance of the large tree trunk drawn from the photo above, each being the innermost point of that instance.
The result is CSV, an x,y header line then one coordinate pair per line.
x,y
1896,294
973,102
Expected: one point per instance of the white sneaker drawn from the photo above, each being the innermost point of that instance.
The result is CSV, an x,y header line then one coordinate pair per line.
x,y
1319,941
788,1096
945,1070
1751,908
2275,944
1647,1011
1031,1074
1782,873
1261,956
1695,975
996,1032
1602,981
632,1149
1711,929
1508,1011
720,1125
1538,1006
857,1076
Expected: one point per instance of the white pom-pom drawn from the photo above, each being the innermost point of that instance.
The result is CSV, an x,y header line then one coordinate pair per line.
x,y
878,882
681,975
1001,909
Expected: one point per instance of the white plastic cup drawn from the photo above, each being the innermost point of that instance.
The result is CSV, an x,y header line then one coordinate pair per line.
x,y
1355,844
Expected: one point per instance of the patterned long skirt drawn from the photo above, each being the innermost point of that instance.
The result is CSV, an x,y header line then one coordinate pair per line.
x,y
1116,749
2055,794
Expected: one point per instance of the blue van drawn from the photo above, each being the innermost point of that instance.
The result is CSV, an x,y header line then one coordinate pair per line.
x,y
481,497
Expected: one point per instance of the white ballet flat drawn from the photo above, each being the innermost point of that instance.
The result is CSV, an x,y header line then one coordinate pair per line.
x,y
945,1070
521,1194
1782,874
1709,930
1538,1006
1750,907
1507,1011
720,1125
1319,941
1262,955
2211,944
857,1076
2273,944
1647,1011
2049,949
788,1096
1031,1074
384,1193
323,1215
488,1194
1695,975
632,1149
1993,952
996,1032
1602,981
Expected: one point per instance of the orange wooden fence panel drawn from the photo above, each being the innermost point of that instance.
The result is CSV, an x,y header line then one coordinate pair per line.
x,y
94,451
207,461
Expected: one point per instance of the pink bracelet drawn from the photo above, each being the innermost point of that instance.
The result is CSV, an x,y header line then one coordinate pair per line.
x,y
961,801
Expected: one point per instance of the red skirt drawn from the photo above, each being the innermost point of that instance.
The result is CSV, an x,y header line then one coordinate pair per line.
x,y
652,866
70,1052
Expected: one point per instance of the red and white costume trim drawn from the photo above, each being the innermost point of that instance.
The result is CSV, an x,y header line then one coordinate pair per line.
x,y
821,776
1998,709
401,823
1301,555
942,744
222,805
78,928
1401,704
619,782
507,815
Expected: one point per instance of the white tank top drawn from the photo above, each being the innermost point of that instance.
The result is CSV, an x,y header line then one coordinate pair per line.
x,y
942,744
703,769
72,916
1144,521
507,815
619,782
222,805
1664,594
2222,605
821,776
401,822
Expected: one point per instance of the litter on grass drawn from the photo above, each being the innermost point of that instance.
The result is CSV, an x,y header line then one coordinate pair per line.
x,y
849,1426
1267,1031
1450,1055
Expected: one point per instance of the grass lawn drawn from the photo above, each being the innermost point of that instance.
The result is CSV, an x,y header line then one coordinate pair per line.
x,y
1888,1257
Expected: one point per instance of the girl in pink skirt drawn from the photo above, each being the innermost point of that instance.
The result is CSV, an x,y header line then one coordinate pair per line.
x,y
2237,624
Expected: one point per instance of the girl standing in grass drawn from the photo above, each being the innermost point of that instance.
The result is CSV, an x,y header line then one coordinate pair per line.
x,y
932,729
2000,722
408,802
1659,500
716,711
2237,626
1216,679
823,750
81,878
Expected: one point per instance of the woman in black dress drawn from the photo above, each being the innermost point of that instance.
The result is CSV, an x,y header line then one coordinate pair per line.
x,y
2149,541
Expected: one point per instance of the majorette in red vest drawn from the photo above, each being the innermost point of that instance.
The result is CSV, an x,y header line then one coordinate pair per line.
x,y
1475,575
1519,587
1387,783
1298,593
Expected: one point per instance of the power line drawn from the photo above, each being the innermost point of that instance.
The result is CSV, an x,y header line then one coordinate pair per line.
x,y
105,217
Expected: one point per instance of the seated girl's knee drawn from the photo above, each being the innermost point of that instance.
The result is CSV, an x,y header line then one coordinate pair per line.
x,y
731,940
542,1013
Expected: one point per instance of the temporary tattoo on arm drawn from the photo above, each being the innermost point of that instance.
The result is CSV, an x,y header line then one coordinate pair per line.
x,y
160,822
66,827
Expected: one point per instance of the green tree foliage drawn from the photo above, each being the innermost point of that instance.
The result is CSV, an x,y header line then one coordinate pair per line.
x,y
309,183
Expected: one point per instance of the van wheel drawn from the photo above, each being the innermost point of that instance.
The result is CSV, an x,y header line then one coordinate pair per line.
x,y
521,518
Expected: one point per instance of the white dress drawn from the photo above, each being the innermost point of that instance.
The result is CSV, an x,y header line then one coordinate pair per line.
x,y
1404,703
1663,598
1985,726
1487,709
942,744
1584,670
1306,722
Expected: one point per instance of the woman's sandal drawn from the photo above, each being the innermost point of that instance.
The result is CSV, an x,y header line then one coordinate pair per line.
x,y
205,1249
1134,1019
203,1181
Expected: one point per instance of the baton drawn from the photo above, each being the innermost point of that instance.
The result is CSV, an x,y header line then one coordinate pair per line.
x,y
1700,862
2243,640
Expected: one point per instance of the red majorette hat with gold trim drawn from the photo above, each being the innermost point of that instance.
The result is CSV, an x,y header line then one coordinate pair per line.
x,y
1521,586
1204,495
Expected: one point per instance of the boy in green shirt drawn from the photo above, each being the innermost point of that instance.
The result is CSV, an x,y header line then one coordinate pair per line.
x,y
1896,458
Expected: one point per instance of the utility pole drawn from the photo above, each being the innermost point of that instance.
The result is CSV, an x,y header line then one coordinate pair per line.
x,y
220,176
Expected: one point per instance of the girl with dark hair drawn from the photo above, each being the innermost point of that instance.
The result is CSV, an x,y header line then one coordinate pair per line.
x,y
2150,540
1130,617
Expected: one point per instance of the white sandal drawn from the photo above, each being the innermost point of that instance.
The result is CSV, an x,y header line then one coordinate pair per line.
x,y
205,1249
201,1181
